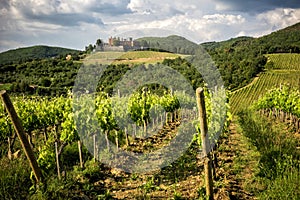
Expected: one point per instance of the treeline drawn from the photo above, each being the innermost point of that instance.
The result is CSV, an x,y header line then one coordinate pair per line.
x,y
114,73
53,77
36,53
44,77
237,60
173,43
283,41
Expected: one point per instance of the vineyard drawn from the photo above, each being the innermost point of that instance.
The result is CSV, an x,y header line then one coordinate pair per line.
x,y
282,104
148,144
148,122
283,61
284,70
131,57
267,112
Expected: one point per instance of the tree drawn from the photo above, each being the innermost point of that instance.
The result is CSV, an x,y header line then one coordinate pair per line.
x,y
89,48
99,42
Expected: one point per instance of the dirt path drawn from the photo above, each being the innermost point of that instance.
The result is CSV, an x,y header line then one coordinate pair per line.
x,y
184,178
180,179
237,161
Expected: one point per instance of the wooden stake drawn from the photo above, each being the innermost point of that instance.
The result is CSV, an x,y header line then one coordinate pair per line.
x,y
21,134
117,139
126,135
57,161
80,154
94,141
205,142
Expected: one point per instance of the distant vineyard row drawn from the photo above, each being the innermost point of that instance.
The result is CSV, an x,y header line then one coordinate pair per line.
x,y
285,71
283,61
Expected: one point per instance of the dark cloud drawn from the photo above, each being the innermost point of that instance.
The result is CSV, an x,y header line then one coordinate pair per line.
x,y
258,6
4,4
69,19
55,17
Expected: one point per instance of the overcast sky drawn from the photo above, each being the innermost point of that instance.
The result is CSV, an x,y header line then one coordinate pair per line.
x,y
76,23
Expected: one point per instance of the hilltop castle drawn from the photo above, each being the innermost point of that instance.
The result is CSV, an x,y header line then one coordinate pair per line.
x,y
118,44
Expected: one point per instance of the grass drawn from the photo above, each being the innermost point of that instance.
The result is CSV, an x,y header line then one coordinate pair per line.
x,y
278,168
131,57
14,178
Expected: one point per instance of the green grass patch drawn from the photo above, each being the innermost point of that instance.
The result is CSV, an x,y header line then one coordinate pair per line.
x,y
148,57
278,168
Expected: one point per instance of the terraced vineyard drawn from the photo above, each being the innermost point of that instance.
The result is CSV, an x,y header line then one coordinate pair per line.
x,y
284,61
285,70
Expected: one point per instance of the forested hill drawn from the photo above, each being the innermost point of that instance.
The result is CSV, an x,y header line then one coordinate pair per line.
x,y
241,59
32,53
286,40
283,41
173,43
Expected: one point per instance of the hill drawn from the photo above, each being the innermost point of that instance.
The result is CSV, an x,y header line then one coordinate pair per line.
x,y
33,53
286,40
227,43
130,57
283,68
172,43
241,59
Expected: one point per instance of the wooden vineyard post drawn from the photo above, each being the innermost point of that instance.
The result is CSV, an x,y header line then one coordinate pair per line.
x,y
126,135
205,142
21,134
57,161
80,154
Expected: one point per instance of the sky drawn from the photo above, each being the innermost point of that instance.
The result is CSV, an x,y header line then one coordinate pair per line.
x,y
77,23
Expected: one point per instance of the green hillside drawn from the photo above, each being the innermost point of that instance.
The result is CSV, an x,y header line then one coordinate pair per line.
x,y
281,69
283,41
241,59
233,42
130,57
33,53
173,43
286,40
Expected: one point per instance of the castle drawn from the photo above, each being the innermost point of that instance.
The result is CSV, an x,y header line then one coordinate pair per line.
x,y
118,44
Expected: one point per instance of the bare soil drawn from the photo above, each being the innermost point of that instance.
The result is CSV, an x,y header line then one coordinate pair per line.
x,y
184,178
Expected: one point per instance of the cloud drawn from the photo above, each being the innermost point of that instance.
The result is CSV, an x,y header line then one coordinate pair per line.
x,y
206,28
80,22
224,19
279,18
255,6
158,8
52,12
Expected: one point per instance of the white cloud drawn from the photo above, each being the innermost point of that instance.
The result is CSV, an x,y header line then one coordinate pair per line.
x,y
209,27
224,19
241,33
140,6
80,22
280,17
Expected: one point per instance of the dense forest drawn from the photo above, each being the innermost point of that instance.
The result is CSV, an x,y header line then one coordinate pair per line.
x,y
35,53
